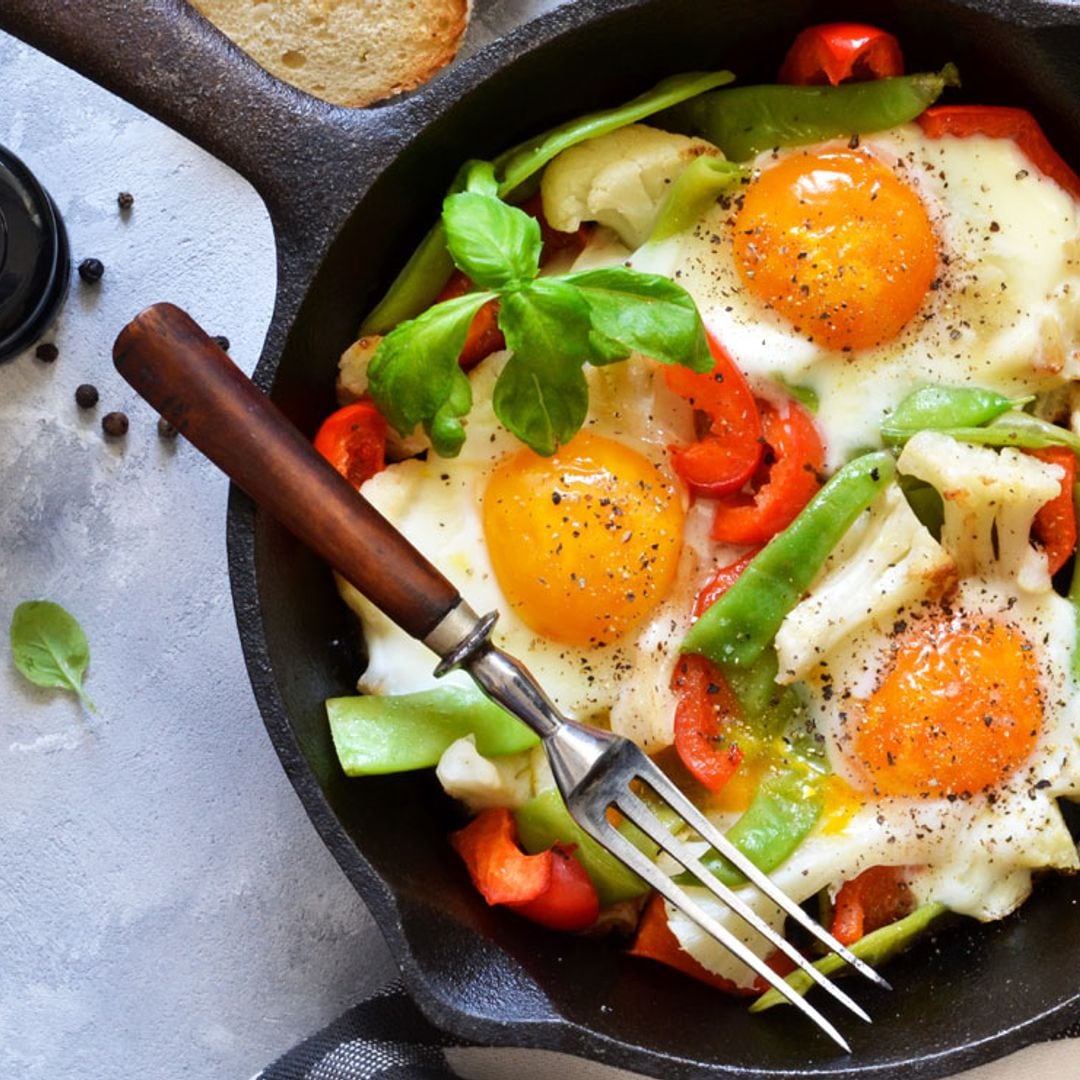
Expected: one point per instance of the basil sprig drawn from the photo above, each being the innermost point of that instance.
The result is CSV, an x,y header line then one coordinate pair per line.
x,y
553,326
49,647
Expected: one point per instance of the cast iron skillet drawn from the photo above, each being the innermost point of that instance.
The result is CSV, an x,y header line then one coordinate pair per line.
x,y
348,193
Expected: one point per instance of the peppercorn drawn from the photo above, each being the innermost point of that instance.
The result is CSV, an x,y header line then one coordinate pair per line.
x,y
221,341
115,424
91,270
86,396
47,352
125,200
165,429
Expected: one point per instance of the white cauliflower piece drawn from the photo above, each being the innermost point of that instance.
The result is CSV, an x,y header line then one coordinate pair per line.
x,y
619,180
885,560
352,380
481,782
989,496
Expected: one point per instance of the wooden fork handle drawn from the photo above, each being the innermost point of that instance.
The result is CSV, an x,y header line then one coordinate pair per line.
x,y
187,378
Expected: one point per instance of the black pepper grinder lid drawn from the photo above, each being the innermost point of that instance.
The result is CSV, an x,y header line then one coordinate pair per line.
x,y
34,262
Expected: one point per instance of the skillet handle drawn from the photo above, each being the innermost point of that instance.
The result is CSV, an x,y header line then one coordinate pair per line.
x,y
183,374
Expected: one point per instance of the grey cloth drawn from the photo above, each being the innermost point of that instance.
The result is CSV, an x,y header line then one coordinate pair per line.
x,y
387,1038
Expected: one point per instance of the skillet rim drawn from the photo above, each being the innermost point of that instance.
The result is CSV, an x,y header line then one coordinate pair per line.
x,y
552,1032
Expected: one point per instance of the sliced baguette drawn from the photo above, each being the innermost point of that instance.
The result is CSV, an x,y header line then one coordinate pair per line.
x,y
349,52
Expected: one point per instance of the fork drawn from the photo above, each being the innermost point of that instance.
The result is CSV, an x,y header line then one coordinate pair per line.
x,y
183,374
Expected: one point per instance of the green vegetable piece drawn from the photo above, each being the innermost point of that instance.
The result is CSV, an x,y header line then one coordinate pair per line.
x,y
739,626
427,271
875,948
646,313
939,407
806,396
544,821
414,375
785,807
376,734
518,164
49,647
770,707
1017,429
749,119
696,188
926,502
496,244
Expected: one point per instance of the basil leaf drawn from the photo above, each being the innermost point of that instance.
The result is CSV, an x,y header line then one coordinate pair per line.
x,y
541,395
645,313
49,647
414,375
497,245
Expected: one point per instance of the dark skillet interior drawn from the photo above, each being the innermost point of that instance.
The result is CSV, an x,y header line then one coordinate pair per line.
x,y
975,992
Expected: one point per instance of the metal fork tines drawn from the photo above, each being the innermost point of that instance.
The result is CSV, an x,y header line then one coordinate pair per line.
x,y
596,772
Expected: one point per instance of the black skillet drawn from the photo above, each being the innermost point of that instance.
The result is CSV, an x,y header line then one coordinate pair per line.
x,y
349,192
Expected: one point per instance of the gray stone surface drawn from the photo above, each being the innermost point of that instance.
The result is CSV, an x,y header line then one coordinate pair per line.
x,y
166,908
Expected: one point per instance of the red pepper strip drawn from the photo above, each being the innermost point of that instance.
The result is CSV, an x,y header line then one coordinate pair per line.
x,y
794,477
1055,523
1002,122
874,899
704,705
353,440
725,459
720,582
484,335
655,941
837,52
551,888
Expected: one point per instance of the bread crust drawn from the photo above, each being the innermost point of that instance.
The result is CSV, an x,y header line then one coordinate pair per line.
x,y
348,52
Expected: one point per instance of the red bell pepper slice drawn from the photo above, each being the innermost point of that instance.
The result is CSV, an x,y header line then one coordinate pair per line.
x,y
720,582
793,478
353,440
705,704
1002,122
837,52
551,888
874,899
1055,523
725,459
484,335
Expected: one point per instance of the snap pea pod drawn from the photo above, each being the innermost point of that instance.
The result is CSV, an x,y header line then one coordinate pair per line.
x,y
938,407
875,948
696,188
427,271
746,120
741,625
1015,429
544,821
784,809
376,734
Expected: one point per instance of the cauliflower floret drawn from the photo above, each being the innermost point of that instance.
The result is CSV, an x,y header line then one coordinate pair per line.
x,y
481,782
991,499
618,180
886,560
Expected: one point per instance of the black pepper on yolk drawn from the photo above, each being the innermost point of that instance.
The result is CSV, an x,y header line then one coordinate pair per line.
x,y
837,244
583,543
958,711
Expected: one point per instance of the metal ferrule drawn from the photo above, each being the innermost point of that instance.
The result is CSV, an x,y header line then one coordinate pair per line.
x,y
460,633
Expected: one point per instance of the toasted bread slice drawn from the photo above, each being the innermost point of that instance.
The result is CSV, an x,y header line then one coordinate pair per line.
x,y
349,52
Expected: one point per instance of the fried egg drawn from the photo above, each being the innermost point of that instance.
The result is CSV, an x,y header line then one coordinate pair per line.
x,y
865,271
591,557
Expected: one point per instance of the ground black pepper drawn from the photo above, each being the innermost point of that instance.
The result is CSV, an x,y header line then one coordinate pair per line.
x,y
91,270
86,396
115,424
47,352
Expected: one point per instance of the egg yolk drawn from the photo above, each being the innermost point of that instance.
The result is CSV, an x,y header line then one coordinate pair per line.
x,y
583,543
836,244
958,711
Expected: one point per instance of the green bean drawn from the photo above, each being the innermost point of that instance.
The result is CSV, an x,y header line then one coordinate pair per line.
x,y
741,625
749,119
939,407
696,188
